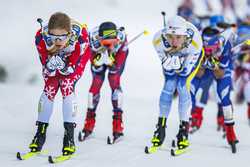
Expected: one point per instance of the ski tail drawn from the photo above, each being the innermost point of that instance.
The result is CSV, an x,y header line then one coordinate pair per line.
x,y
28,155
114,140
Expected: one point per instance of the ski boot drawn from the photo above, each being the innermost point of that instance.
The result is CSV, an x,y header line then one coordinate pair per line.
x,y
159,136
231,137
88,125
39,138
220,120
68,139
182,136
117,127
182,140
196,119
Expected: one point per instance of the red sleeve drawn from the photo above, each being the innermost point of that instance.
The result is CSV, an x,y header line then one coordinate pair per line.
x,y
41,47
121,55
79,58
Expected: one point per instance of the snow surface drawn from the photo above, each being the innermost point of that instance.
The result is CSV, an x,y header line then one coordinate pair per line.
x,y
142,82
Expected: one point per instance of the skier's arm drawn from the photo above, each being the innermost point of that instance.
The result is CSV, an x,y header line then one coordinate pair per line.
x,y
80,56
194,54
227,41
158,45
121,55
41,47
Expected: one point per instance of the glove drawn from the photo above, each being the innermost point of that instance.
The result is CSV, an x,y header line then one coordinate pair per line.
x,y
51,64
212,63
104,58
55,63
110,59
46,72
67,70
60,63
98,60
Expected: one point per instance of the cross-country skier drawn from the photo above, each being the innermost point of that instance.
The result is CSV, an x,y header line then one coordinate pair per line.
x,y
219,62
242,71
64,50
179,47
203,80
109,53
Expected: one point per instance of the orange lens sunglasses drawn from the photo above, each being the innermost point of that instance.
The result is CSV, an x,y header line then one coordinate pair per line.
x,y
109,42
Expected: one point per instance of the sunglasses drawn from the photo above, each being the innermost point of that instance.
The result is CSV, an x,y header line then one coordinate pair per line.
x,y
62,37
109,43
172,36
212,49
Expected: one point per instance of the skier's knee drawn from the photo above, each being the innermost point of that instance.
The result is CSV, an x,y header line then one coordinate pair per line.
x,y
93,100
117,98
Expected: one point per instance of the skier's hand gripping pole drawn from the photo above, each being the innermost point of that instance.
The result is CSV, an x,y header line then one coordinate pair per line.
x,y
40,21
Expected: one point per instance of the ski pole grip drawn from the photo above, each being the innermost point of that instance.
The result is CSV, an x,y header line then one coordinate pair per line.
x,y
39,20
121,29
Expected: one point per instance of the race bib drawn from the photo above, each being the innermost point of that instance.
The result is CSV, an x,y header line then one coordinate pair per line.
x,y
172,63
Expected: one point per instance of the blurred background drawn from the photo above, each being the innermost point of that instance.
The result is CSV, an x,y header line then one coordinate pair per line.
x,y
18,56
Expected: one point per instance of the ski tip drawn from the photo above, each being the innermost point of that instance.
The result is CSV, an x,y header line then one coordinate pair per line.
x,y
146,150
109,140
80,138
224,136
18,156
172,152
193,130
233,147
173,143
50,159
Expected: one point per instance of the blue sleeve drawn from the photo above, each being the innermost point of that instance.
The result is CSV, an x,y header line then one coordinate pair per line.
x,y
226,56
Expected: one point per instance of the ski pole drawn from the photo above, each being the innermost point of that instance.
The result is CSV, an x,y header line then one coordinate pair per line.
x,y
164,18
237,47
40,21
145,32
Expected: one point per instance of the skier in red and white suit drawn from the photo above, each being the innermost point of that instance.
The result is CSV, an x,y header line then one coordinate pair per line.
x,y
109,53
64,49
